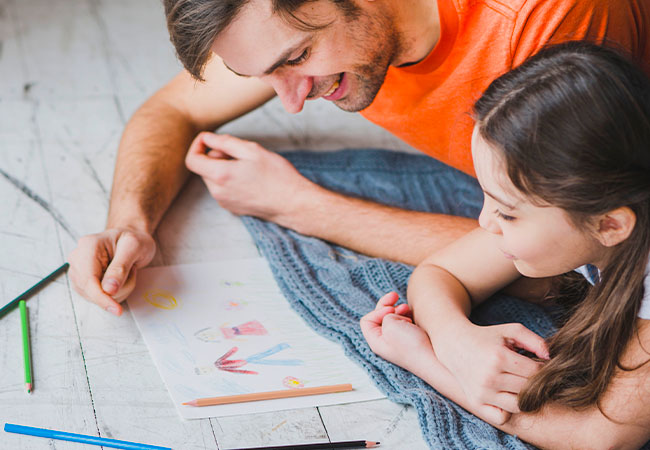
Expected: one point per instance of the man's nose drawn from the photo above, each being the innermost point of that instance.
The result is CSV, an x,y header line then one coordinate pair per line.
x,y
292,89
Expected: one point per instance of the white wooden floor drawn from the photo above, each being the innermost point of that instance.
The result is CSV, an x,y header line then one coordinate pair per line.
x,y
71,73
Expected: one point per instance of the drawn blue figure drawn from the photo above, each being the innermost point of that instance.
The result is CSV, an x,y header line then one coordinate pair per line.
x,y
233,365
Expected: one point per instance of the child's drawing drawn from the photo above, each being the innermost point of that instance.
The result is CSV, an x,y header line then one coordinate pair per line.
x,y
235,305
252,328
161,299
209,334
235,333
233,365
292,383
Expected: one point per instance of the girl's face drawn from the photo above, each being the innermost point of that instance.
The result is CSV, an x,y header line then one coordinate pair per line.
x,y
540,240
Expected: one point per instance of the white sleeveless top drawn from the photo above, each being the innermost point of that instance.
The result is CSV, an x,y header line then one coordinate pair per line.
x,y
591,273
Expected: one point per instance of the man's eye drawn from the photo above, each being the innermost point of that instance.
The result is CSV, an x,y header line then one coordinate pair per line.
x,y
504,216
300,59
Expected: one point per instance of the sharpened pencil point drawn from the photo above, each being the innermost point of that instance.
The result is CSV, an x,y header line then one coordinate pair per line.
x,y
370,444
191,403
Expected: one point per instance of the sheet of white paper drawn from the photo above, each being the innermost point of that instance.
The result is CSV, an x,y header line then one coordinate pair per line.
x,y
224,328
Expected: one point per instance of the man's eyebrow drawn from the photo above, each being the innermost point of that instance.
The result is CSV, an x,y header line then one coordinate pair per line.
x,y
284,57
500,201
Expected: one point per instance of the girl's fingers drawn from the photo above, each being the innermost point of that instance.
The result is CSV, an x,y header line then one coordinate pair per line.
x,y
508,382
520,365
376,316
493,415
404,310
387,300
523,338
506,401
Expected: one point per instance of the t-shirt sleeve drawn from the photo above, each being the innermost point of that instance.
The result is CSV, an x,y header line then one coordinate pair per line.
x,y
619,23
644,311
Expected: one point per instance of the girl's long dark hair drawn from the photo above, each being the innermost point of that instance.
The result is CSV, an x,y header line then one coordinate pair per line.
x,y
572,125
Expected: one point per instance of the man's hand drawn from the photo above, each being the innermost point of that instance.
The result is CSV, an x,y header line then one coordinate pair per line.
x,y
247,179
103,266
486,364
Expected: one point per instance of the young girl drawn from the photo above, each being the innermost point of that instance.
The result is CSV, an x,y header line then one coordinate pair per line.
x,y
561,150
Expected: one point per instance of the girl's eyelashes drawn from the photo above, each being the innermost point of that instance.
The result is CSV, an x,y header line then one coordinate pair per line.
x,y
505,217
300,59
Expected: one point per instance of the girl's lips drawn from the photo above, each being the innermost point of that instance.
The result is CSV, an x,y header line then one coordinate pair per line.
x,y
339,91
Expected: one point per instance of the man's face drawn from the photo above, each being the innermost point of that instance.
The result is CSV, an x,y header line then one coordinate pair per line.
x,y
345,61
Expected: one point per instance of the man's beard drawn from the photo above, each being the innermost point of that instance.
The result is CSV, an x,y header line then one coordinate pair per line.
x,y
369,77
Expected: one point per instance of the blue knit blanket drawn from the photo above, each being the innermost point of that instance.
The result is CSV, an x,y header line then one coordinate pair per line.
x,y
331,287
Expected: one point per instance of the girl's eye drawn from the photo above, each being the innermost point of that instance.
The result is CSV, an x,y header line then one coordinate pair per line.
x,y
300,59
504,216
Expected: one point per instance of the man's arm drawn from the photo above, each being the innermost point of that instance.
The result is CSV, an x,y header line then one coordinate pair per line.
x,y
149,173
247,179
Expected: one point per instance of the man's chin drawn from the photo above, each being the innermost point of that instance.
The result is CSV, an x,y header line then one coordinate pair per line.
x,y
353,104
341,104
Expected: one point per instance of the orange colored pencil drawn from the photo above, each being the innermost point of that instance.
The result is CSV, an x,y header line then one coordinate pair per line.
x,y
257,396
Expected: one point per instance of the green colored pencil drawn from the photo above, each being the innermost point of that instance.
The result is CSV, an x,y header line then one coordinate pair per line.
x,y
27,358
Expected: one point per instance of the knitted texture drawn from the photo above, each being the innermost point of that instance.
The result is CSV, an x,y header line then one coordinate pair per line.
x,y
331,287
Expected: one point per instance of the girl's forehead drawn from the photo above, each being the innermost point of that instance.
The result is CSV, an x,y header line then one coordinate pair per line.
x,y
491,170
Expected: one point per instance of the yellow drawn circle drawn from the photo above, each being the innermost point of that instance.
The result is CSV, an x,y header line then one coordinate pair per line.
x,y
161,299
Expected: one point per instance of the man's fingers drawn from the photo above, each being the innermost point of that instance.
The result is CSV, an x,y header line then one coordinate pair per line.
x,y
231,146
198,145
94,292
128,252
208,166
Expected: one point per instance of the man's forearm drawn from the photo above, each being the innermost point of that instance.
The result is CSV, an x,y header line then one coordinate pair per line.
x,y
150,166
374,229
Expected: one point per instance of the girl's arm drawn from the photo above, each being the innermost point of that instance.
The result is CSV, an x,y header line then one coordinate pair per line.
x,y
393,336
443,290
626,402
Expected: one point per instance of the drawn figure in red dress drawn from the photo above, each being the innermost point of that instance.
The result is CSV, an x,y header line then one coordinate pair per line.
x,y
252,328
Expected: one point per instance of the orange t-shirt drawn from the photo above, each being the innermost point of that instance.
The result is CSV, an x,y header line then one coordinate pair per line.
x,y
429,104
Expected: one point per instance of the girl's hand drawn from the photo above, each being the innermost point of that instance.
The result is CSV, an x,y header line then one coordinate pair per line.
x,y
486,364
391,334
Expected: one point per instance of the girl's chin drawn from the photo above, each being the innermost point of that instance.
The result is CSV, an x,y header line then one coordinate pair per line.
x,y
529,271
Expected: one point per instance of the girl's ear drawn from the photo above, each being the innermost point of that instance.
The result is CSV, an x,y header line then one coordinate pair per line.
x,y
615,226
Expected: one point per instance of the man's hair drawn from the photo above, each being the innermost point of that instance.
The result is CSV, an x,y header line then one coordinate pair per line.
x,y
195,24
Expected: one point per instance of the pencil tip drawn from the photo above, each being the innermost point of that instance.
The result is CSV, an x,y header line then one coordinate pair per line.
x,y
29,388
370,444
190,403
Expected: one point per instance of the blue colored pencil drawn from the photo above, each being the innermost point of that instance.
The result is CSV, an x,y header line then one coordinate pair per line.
x,y
94,440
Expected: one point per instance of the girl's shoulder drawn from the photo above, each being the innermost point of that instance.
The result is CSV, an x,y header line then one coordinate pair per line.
x,y
592,275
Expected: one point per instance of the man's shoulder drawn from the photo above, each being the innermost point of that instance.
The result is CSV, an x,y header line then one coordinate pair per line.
x,y
514,8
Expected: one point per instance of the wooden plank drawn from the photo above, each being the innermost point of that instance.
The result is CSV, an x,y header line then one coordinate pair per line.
x,y
76,72
297,426
29,238
394,425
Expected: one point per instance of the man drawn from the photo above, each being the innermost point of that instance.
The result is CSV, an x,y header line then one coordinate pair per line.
x,y
412,67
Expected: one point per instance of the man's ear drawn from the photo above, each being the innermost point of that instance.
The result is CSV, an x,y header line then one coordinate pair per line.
x,y
615,226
